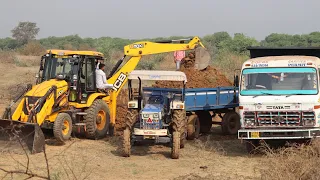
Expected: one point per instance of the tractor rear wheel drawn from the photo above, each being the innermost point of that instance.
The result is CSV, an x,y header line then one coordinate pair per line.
x,y
62,127
175,145
126,142
179,127
205,121
97,120
193,127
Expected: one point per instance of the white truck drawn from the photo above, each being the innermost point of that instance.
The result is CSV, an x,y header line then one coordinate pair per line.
x,y
279,96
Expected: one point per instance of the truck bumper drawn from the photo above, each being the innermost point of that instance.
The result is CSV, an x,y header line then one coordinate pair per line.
x,y
278,133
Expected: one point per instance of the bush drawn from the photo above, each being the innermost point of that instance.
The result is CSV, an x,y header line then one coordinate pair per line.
x,y
297,162
33,48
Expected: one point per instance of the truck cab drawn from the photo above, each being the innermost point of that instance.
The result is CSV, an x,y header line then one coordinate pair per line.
x,y
279,95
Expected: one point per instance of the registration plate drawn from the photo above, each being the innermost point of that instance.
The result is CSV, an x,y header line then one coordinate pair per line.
x,y
255,134
148,137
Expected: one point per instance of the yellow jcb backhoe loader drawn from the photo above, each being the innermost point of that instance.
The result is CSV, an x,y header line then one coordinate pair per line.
x,y
65,96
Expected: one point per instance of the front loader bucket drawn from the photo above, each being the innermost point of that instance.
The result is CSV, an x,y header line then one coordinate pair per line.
x,y
202,58
27,135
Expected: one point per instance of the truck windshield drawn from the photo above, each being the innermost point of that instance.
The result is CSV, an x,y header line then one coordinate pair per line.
x,y
279,81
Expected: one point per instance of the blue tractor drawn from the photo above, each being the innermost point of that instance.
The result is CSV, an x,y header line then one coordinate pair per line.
x,y
156,114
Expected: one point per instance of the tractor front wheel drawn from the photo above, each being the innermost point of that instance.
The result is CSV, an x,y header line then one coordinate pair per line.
x,y
97,120
62,127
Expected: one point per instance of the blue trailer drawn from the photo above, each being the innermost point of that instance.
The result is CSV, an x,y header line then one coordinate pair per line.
x,y
202,104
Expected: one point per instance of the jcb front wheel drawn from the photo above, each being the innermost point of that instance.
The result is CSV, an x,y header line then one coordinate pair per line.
x,y
97,120
62,127
126,142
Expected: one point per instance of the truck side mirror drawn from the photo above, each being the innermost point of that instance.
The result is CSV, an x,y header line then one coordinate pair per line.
x,y
236,81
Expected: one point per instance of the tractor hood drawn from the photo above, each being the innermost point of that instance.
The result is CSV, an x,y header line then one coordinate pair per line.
x,y
42,88
152,108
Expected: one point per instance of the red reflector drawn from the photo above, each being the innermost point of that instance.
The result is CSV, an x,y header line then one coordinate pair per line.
x,y
240,107
309,63
247,64
317,107
149,120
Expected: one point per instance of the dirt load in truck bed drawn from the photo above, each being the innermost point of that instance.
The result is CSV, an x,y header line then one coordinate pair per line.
x,y
207,78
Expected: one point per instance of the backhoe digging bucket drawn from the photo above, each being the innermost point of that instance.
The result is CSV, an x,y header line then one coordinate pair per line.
x,y
202,58
21,134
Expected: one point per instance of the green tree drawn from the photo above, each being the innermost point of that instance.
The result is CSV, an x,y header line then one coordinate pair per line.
x,y
25,31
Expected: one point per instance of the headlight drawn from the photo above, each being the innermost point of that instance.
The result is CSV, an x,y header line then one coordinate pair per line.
x,y
145,115
156,115
132,105
179,106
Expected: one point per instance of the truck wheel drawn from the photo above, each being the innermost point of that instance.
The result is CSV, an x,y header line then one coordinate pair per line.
x,y
193,128
251,146
126,142
205,121
175,145
230,123
62,127
97,120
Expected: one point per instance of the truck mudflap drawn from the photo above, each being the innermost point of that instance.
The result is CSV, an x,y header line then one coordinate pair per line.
x,y
25,134
278,133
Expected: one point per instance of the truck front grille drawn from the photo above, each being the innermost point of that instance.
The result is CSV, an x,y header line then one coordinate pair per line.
x,y
280,118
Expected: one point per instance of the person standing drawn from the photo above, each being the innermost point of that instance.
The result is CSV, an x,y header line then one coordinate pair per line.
x,y
178,56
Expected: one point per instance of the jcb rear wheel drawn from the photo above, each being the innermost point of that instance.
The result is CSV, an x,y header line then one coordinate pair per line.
x,y
97,120
62,127
126,142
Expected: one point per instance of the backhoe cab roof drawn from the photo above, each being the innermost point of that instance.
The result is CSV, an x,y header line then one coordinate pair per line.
x,y
158,75
58,52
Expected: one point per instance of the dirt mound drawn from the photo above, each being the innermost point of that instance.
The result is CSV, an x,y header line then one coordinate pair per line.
x,y
207,78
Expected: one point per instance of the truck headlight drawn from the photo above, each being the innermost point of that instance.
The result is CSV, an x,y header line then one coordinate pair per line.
x,y
145,115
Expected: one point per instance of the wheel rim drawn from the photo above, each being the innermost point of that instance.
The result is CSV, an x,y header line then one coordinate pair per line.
x,y
66,127
101,120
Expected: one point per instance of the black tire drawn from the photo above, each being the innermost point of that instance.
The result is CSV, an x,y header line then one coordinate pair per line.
x,y
251,146
126,142
230,123
178,130
131,117
205,121
94,128
193,127
62,127
175,145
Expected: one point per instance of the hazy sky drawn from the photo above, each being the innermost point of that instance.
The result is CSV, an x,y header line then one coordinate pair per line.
x,y
154,18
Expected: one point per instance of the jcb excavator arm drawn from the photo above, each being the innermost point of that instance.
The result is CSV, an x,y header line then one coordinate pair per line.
x,y
135,51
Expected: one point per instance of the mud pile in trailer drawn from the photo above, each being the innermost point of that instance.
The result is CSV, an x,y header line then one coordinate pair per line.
x,y
207,78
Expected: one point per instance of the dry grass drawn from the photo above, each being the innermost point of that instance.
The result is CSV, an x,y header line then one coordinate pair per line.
x,y
299,162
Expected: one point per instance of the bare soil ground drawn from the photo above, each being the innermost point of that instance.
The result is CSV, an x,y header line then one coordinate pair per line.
x,y
213,156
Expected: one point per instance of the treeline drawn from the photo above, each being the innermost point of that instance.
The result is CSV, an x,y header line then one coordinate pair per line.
x,y
217,42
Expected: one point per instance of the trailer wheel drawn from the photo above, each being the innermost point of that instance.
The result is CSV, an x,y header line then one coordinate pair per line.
x,y
230,123
97,120
62,127
251,146
205,121
126,142
193,127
